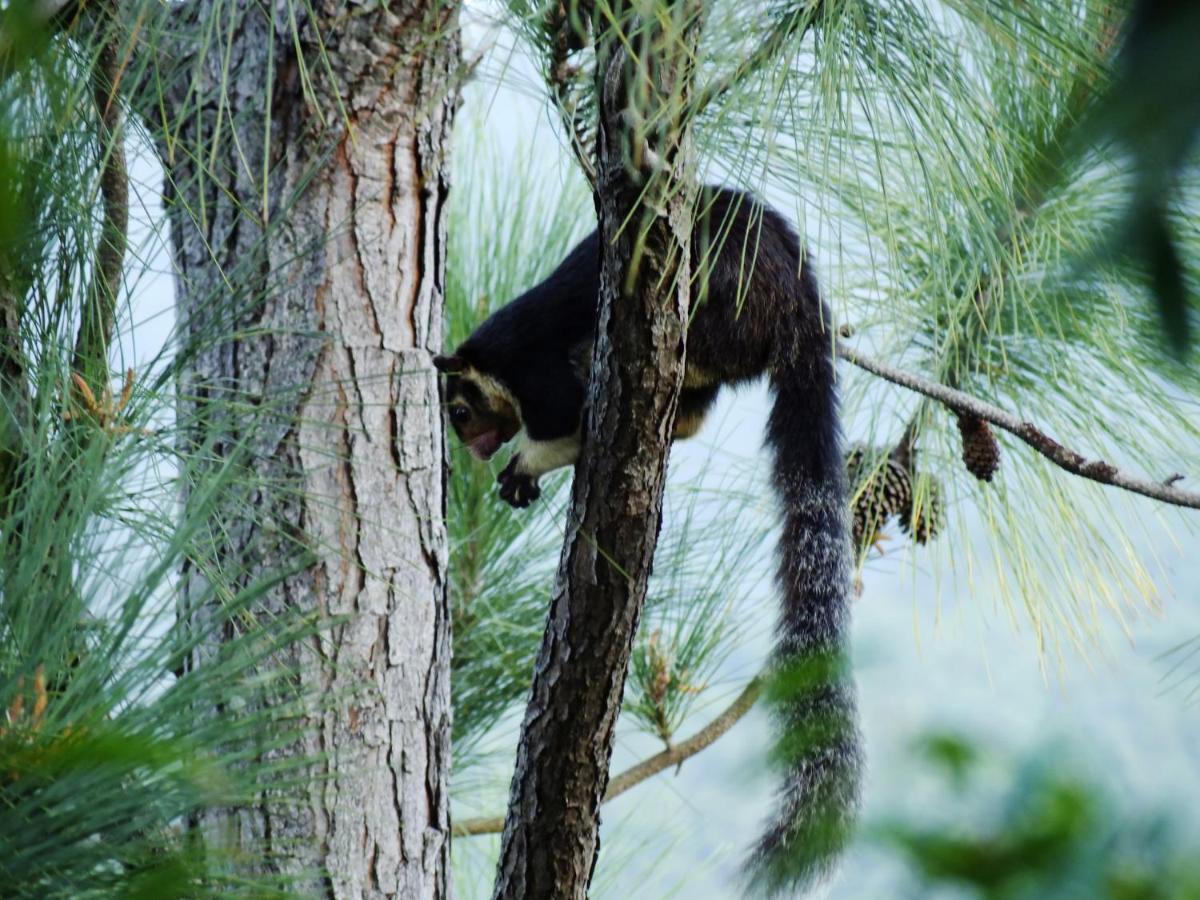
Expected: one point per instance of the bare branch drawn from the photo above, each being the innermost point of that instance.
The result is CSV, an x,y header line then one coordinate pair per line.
x,y
647,768
1065,458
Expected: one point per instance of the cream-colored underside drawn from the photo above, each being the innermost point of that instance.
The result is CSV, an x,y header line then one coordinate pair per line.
x,y
540,457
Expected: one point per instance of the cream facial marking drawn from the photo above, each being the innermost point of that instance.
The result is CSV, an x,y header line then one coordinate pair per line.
x,y
496,394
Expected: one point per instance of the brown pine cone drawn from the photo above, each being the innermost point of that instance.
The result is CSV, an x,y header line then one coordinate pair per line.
x,y
897,485
922,521
882,491
980,450
869,515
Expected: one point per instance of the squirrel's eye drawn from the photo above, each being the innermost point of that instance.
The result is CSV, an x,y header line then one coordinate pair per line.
x,y
459,414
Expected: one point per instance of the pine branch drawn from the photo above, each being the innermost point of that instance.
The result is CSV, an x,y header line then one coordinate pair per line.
x,y
1031,186
1065,458
785,28
99,312
651,766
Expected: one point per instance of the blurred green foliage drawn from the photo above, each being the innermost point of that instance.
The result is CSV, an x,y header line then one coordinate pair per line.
x,y
1050,832
1151,112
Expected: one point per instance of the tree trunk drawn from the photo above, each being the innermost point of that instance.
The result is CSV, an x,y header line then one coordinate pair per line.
x,y
318,257
551,833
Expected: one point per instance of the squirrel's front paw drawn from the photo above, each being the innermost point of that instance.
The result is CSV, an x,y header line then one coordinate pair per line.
x,y
516,488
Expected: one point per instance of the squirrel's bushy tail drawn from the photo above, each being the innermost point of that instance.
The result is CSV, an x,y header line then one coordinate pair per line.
x,y
810,693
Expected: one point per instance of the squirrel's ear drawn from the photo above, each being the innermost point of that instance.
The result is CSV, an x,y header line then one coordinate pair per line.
x,y
449,365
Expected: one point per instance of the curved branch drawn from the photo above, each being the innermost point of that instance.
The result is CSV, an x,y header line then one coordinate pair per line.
x,y
647,768
1064,457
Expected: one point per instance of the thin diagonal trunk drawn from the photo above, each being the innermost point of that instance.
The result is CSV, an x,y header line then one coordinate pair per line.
x,y
551,832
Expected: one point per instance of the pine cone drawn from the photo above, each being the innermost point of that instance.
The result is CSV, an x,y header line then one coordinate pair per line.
x,y
897,485
980,450
882,492
922,521
868,517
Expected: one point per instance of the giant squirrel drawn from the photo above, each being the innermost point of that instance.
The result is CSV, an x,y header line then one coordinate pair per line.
x,y
756,309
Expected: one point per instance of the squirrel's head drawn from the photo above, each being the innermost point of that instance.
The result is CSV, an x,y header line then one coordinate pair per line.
x,y
482,411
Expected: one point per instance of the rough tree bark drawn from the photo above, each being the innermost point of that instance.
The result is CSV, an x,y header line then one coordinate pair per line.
x,y
306,192
551,833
